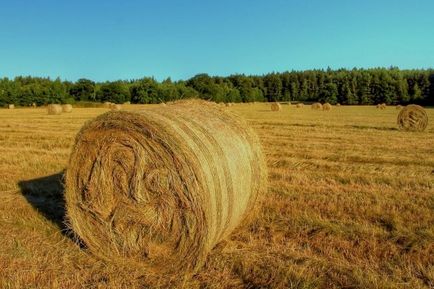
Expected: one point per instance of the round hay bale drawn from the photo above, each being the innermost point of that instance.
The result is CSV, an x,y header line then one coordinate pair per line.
x,y
316,106
127,102
11,106
163,104
338,104
412,118
107,104
398,107
54,109
160,188
115,106
275,106
326,106
34,104
299,105
66,108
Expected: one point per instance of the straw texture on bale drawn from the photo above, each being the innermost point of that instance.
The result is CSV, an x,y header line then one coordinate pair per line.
x,y
275,106
54,109
317,106
326,106
11,106
160,188
66,108
413,118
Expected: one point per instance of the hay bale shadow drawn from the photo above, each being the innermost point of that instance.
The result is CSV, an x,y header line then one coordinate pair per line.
x,y
46,195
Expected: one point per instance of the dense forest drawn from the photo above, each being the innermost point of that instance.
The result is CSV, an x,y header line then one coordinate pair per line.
x,y
356,86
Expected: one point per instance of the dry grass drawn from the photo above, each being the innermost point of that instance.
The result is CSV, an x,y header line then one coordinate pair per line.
x,y
350,206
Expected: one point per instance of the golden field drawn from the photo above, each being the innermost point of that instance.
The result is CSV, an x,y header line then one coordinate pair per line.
x,y
350,205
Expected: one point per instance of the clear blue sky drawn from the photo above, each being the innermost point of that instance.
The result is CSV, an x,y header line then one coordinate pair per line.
x,y
108,40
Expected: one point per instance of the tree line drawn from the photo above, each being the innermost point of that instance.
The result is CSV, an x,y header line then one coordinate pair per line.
x,y
356,86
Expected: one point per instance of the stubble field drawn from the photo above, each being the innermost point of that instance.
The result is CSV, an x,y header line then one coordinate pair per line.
x,y
350,205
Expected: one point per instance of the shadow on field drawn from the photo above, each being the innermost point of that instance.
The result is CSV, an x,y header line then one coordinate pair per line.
x,y
46,194
371,127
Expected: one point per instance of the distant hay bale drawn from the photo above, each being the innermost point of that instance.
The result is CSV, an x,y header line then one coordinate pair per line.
x,y
381,106
127,103
412,118
317,106
66,108
398,107
163,104
115,106
299,105
159,188
275,106
54,109
34,104
107,104
326,106
338,104
11,106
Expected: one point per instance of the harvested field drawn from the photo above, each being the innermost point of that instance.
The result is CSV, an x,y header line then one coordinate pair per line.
x,y
350,205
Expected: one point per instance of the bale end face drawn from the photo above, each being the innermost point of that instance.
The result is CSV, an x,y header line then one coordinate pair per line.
x,y
412,118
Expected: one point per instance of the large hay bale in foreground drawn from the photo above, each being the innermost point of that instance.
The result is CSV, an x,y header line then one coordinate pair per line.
x,y
54,109
326,106
316,106
159,188
66,108
413,118
11,106
275,106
